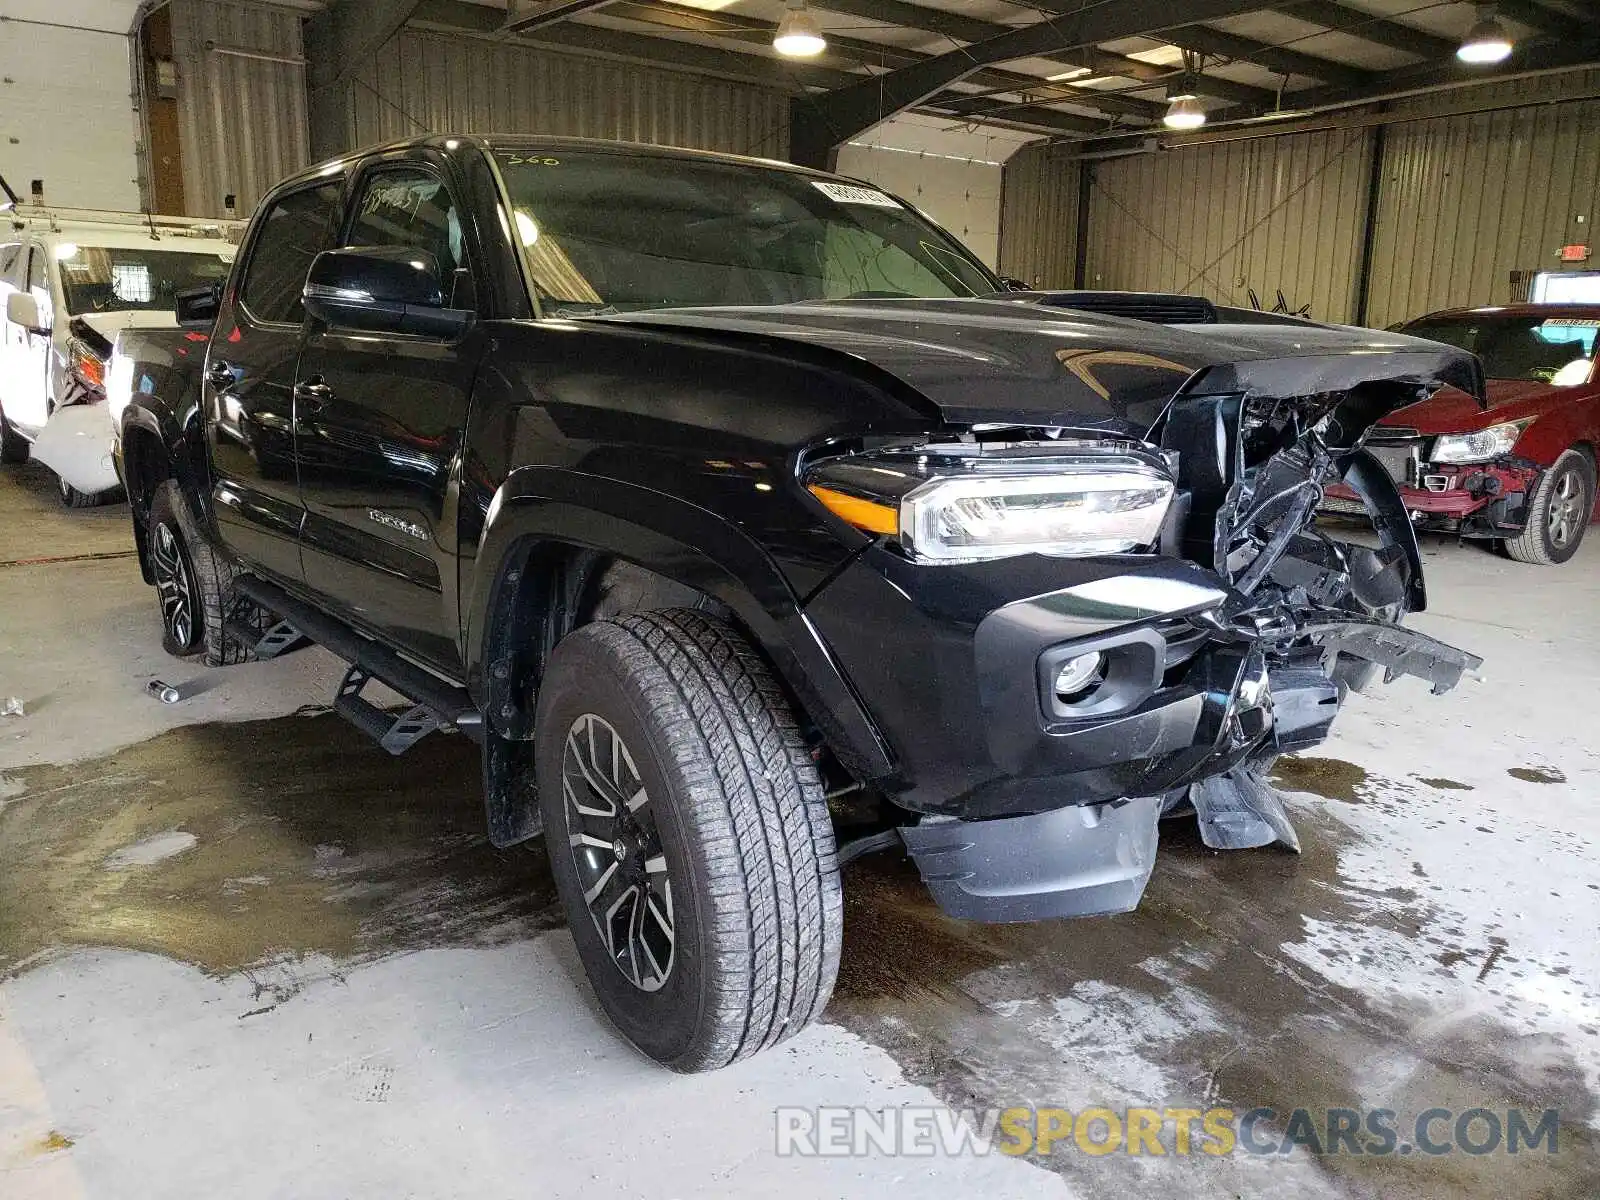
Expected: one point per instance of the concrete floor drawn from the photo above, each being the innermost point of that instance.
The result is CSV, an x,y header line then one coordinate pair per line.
x,y
245,953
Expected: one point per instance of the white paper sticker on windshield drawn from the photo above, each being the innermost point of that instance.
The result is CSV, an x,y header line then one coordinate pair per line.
x,y
844,193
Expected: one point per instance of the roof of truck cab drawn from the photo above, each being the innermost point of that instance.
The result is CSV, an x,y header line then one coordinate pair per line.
x,y
489,143
1578,312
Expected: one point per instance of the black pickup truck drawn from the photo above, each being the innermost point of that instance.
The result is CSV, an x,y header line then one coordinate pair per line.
x,y
749,523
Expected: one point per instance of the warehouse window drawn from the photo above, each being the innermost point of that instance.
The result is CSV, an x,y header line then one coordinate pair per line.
x,y
294,231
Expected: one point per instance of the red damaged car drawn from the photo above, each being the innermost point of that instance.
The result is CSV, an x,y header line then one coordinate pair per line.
x,y
1520,469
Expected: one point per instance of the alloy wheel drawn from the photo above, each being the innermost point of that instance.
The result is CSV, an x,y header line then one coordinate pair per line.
x,y
174,585
616,846
1566,509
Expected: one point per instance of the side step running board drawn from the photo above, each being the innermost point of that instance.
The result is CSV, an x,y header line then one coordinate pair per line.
x,y
435,702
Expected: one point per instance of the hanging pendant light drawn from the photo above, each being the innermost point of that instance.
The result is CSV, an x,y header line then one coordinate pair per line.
x,y
1183,97
798,35
1486,42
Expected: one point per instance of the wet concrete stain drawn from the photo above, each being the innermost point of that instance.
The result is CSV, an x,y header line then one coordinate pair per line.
x,y
1537,774
52,1143
1443,785
231,846
1330,778
308,840
1192,1000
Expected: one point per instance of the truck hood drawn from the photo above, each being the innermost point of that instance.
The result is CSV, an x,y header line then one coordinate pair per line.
x,y
1450,410
1017,360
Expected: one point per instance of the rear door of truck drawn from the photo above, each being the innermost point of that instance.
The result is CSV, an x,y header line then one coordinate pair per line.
x,y
249,384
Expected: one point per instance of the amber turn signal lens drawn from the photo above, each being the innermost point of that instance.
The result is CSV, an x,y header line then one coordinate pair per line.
x,y
91,370
863,514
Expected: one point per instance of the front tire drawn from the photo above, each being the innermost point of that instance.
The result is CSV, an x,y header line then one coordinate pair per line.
x,y
14,447
71,497
194,583
1558,513
689,837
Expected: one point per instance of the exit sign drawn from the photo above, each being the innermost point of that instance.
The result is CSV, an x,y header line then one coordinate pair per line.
x,y
1575,253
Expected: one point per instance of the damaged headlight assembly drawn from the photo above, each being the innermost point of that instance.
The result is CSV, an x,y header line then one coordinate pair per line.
x,y
945,505
1483,446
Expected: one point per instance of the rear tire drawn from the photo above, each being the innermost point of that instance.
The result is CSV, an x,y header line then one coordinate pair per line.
x,y
670,767
1558,513
194,583
14,447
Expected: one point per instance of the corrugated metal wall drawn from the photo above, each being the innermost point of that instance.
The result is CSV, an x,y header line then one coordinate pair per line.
x,y
1467,200
242,122
1039,215
421,81
1228,219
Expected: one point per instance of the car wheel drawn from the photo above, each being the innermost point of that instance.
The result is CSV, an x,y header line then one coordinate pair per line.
x,y
1558,513
194,583
71,497
689,837
14,447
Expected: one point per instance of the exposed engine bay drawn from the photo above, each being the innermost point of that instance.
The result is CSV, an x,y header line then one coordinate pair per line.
x,y
1308,616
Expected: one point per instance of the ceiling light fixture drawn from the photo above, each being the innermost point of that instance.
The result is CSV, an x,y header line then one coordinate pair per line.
x,y
1487,41
1183,95
1184,113
798,35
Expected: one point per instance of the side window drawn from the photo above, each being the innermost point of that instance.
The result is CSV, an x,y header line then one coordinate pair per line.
x,y
292,233
409,206
8,262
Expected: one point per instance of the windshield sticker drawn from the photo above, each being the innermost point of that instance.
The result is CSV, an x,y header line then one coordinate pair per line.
x,y
844,193
1574,322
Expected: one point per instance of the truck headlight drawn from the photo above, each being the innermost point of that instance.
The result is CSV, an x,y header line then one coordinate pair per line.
x,y
955,508
1481,446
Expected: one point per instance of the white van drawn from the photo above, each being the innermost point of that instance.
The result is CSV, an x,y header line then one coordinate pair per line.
x,y
70,280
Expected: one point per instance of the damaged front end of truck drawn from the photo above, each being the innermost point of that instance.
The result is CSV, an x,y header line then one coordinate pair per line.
x,y
1307,616
1231,640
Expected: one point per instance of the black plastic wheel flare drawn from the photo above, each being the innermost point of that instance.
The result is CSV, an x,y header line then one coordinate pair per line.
x,y
622,870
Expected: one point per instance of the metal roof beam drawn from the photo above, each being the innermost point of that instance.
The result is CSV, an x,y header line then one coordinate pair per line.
x,y
834,118
1205,40
524,18
459,16
1369,28
1545,20
961,28
343,37
1544,56
854,51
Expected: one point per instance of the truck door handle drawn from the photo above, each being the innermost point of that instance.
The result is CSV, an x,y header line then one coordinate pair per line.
x,y
312,395
219,374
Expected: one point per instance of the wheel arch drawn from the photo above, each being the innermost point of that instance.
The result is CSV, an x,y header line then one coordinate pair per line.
x,y
551,532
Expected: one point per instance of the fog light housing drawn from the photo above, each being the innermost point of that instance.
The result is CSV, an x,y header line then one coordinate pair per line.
x,y
1078,673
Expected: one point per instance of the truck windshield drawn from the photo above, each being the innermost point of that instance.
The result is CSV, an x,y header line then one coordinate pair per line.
x,y
1553,350
114,278
606,232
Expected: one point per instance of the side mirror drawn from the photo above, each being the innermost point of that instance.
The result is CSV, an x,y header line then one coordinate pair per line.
x,y
22,309
385,289
197,307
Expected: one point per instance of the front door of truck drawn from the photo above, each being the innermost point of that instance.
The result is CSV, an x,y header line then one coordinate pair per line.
x,y
378,426
249,382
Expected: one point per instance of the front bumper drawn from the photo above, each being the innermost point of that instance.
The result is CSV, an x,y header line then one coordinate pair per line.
x,y
1476,500
958,680
1031,805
